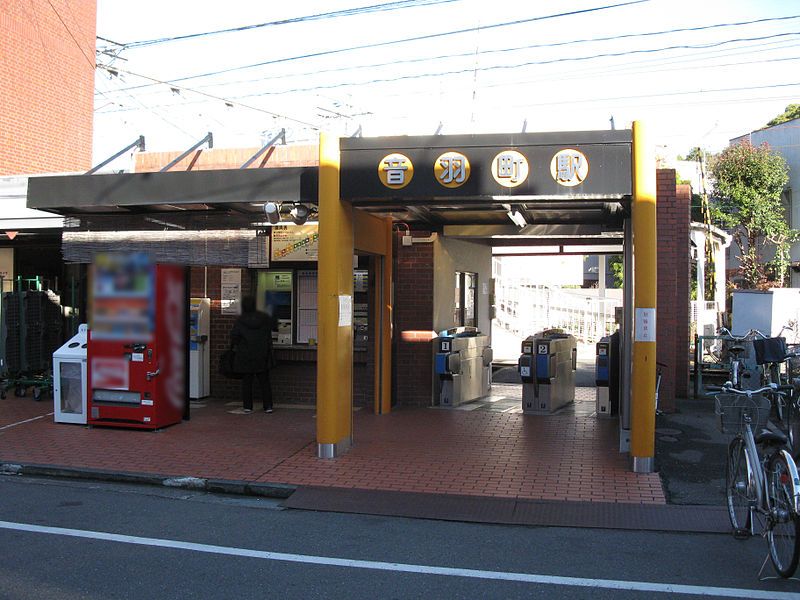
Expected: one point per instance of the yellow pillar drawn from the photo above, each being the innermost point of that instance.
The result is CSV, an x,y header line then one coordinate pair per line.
x,y
334,309
643,411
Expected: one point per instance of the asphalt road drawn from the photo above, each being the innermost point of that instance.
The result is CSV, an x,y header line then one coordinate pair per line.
x,y
82,540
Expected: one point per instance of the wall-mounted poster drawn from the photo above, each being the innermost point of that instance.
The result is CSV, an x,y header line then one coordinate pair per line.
x,y
295,242
231,292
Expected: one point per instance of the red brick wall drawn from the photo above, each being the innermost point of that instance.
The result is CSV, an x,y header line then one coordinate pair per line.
x,y
46,85
413,310
672,320
682,339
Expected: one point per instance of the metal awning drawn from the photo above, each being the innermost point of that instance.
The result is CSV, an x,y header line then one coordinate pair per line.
x,y
239,194
224,189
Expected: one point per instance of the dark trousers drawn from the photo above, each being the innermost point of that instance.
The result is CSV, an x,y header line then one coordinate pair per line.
x,y
247,389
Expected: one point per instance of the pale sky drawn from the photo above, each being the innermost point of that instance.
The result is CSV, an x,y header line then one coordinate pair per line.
x,y
545,74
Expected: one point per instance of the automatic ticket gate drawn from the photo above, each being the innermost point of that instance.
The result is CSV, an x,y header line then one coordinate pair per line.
x,y
606,375
547,368
463,365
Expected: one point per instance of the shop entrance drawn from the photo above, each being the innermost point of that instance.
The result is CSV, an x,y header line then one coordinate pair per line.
x,y
589,188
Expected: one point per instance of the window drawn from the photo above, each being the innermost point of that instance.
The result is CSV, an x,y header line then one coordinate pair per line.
x,y
306,306
465,307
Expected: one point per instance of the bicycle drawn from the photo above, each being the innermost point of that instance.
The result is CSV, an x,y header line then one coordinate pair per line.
x,y
737,370
659,367
761,475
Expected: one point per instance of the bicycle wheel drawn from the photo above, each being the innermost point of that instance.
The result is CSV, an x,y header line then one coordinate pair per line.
x,y
739,486
793,425
783,525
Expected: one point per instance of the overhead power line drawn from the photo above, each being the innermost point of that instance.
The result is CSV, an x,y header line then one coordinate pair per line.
x,y
419,38
446,73
347,12
232,102
517,65
501,50
517,83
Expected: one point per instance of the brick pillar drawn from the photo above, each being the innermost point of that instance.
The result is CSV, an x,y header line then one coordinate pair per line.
x,y
413,310
683,203
673,288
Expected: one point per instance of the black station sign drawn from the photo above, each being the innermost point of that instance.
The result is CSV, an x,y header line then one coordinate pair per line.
x,y
570,165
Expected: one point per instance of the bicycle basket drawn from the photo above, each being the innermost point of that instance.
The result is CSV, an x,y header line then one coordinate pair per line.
x,y
734,408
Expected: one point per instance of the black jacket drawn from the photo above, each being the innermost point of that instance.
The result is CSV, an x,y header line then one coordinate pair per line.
x,y
251,337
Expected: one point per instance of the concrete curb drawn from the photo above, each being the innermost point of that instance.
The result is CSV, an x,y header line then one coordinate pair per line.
x,y
217,486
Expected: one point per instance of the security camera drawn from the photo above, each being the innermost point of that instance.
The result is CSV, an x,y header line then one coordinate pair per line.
x,y
273,212
299,213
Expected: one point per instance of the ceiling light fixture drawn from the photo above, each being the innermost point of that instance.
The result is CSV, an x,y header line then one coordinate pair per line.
x,y
300,214
273,212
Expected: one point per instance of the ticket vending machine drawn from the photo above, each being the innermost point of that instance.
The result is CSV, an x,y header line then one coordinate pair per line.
x,y
274,296
547,368
463,366
137,343
199,348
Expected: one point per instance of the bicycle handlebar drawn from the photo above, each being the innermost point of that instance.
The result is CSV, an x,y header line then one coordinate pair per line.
x,y
741,338
772,388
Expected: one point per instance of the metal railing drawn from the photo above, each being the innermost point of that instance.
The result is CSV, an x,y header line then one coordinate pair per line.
x,y
524,309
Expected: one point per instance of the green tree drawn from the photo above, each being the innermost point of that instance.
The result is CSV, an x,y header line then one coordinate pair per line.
x,y
696,154
617,267
792,112
748,185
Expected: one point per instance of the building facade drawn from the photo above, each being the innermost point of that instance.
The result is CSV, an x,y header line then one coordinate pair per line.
x,y
47,62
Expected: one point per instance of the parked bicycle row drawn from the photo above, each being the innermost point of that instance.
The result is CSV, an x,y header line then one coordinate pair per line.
x,y
748,361
762,483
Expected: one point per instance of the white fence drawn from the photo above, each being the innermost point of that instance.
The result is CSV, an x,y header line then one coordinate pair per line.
x,y
523,309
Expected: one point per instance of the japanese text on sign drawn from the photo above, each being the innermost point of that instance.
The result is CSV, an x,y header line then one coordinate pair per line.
x,y
569,167
395,171
645,326
452,169
510,168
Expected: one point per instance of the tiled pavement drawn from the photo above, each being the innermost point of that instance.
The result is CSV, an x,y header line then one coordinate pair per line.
x,y
492,450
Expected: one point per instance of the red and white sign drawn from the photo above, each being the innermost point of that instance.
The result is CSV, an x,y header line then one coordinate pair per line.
x,y
110,373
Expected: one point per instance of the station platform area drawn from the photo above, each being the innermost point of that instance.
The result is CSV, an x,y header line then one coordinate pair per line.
x,y
485,448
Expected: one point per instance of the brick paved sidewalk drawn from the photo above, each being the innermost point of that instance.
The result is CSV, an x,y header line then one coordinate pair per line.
x,y
504,454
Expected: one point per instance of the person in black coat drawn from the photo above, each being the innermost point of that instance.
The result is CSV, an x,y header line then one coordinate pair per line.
x,y
251,338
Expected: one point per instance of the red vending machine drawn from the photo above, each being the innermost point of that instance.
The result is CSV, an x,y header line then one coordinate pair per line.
x,y
137,346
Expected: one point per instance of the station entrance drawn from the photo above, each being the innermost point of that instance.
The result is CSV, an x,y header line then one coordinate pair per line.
x,y
424,215
559,189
